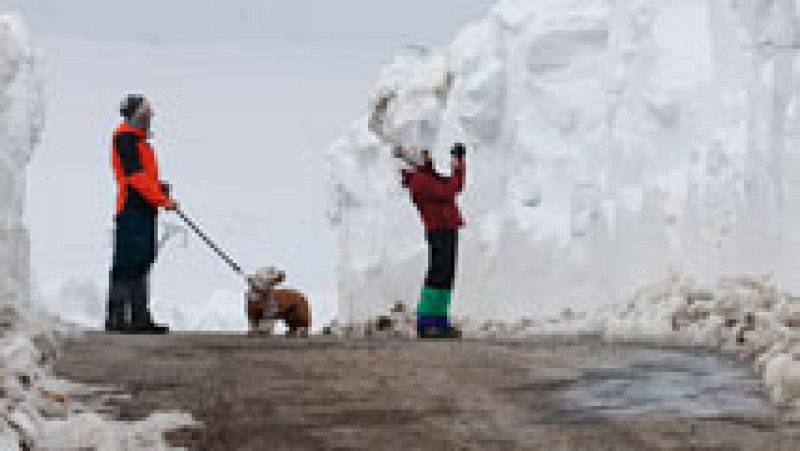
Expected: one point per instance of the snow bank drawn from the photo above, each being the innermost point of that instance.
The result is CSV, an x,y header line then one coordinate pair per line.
x,y
616,141
35,412
21,120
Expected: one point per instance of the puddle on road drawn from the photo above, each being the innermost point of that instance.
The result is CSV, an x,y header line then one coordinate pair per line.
x,y
665,382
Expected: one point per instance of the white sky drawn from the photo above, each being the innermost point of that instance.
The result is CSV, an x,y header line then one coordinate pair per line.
x,y
248,94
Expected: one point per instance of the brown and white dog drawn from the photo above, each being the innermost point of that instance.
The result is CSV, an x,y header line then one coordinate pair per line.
x,y
266,304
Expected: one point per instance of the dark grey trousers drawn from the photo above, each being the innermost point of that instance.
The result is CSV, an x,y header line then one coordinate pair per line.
x,y
134,255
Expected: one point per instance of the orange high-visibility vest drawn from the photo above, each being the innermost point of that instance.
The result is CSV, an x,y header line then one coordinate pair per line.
x,y
135,166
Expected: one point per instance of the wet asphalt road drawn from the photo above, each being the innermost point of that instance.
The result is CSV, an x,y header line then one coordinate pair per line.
x,y
320,393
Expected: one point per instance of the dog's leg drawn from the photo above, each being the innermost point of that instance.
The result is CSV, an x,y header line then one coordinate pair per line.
x,y
254,326
267,326
290,319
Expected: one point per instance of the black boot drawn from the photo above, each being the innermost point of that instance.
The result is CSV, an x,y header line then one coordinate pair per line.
x,y
148,328
115,324
448,332
141,319
119,296
452,333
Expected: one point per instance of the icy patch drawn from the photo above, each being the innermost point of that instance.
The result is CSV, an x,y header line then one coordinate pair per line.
x,y
659,382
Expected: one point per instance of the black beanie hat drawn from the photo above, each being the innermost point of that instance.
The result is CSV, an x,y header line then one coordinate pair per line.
x,y
130,104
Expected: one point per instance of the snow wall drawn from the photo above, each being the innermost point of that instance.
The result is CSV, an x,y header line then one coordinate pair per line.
x,y
617,141
21,120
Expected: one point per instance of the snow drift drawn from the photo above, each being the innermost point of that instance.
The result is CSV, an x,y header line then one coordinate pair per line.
x,y
616,141
35,409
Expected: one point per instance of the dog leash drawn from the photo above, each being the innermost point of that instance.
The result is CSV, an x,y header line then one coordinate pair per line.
x,y
222,254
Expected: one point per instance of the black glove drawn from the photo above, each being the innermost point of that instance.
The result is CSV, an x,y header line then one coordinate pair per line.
x,y
458,150
166,188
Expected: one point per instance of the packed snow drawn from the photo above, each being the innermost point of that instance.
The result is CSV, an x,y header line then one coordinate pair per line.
x,y
36,411
613,143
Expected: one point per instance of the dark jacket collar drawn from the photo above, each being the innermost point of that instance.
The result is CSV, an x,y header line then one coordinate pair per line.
x,y
126,127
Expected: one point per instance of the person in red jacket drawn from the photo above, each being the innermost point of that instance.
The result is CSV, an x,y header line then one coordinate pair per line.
x,y
435,196
140,194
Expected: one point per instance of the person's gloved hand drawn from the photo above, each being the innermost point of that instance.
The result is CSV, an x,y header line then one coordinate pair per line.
x,y
459,150
166,188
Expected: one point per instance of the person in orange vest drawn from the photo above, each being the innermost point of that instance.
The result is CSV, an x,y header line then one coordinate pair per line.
x,y
140,194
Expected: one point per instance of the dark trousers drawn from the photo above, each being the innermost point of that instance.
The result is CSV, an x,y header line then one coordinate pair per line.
x,y
442,256
134,254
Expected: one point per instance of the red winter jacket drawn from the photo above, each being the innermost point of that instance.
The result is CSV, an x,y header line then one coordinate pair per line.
x,y
435,195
